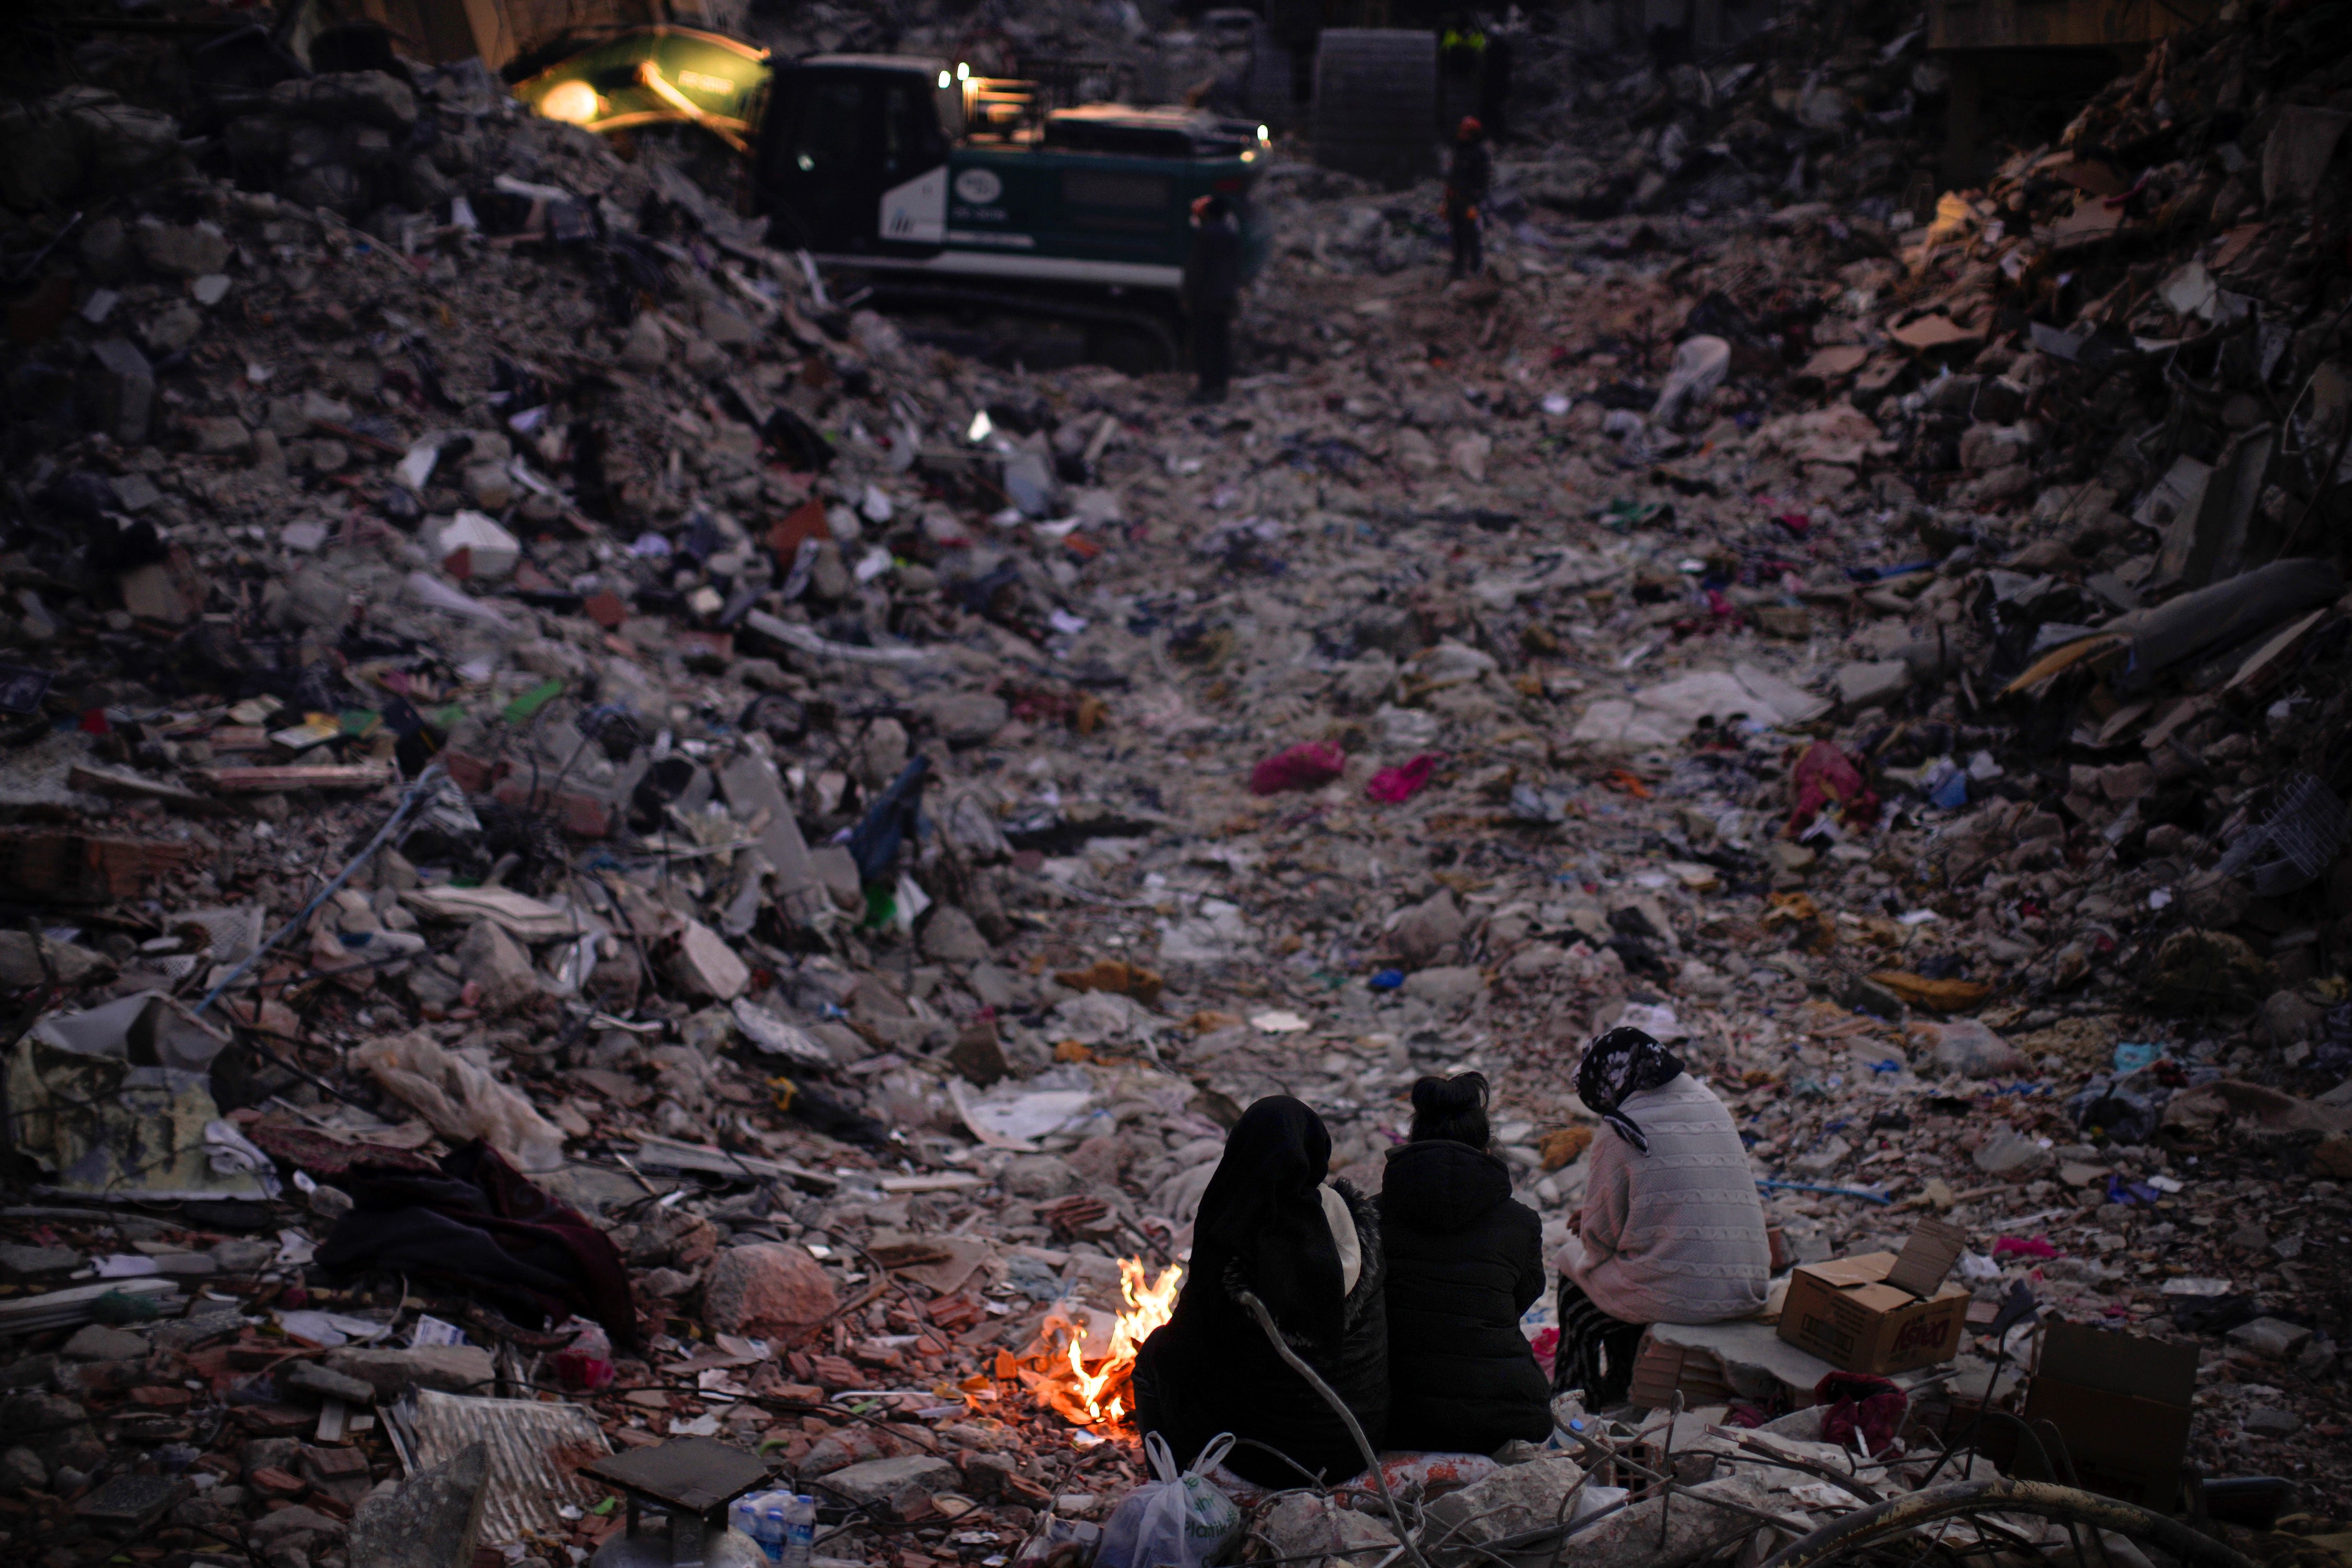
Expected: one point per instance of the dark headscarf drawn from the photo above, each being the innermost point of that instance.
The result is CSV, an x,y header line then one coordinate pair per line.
x,y
1262,1209
1623,1062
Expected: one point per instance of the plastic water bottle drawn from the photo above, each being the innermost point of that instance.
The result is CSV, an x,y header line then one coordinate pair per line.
x,y
743,1518
797,1539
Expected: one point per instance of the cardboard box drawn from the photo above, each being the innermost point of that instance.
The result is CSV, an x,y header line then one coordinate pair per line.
x,y
2122,1405
1846,1312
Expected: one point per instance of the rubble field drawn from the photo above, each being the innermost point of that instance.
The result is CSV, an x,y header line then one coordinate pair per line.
x,y
604,847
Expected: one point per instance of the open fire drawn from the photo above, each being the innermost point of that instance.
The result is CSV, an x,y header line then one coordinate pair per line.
x,y
1087,1381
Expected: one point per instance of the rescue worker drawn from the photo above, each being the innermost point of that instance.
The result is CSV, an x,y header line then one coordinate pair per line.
x,y
1213,287
1466,181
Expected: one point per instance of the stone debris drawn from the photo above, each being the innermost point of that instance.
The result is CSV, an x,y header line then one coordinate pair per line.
x,y
534,707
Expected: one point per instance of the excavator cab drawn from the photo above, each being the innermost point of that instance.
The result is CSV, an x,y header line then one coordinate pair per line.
x,y
931,187
928,186
852,158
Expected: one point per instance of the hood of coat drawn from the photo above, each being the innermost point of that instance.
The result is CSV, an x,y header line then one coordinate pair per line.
x,y
1371,1283
1440,1185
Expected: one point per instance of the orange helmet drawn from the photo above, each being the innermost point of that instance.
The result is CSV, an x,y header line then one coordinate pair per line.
x,y
1469,129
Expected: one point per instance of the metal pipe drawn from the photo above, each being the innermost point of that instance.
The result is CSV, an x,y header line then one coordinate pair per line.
x,y
1339,1408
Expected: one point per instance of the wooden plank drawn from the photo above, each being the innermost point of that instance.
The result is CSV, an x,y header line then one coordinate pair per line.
x,y
72,1305
673,1155
942,1181
2261,665
322,775
120,784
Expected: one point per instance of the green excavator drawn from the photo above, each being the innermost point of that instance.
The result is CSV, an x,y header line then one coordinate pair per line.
x,y
933,188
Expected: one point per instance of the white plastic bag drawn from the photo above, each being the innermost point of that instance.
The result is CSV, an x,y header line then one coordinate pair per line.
x,y
1174,1521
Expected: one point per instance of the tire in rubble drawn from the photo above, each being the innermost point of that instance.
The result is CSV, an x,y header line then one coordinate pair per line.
x,y
1376,104
1916,1528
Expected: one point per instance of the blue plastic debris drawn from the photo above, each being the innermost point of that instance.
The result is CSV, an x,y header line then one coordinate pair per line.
x,y
2130,1193
1388,980
1766,1183
2131,1057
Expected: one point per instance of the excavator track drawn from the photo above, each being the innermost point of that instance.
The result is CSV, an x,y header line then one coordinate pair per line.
x,y
1158,330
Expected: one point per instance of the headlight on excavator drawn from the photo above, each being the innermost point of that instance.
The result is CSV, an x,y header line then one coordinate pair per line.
x,y
572,102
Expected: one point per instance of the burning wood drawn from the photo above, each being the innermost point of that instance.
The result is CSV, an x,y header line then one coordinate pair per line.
x,y
1081,1370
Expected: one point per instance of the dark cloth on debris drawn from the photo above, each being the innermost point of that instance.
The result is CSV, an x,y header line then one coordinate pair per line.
x,y
480,1224
1262,1228
1596,1351
1464,1261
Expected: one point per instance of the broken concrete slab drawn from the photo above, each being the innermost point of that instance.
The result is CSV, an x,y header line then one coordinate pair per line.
x,y
900,1487
390,1372
430,1520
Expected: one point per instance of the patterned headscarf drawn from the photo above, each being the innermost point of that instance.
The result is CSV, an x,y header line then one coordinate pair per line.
x,y
1622,1062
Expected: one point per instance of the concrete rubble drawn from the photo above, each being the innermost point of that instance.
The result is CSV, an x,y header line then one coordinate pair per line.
x,y
500,669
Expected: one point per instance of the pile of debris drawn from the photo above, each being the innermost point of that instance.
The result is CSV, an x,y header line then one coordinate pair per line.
x,y
608,853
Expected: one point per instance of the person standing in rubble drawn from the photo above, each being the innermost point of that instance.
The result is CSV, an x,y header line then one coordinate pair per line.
x,y
1212,290
1272,1227
1671,1230
1465,1260
1467,180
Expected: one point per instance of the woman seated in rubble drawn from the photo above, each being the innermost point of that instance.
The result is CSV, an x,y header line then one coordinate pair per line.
x,y
1465,1261
1670,1231
1272,1230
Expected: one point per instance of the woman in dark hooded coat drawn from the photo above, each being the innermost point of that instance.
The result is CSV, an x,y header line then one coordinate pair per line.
x,y
1465,1261
1312,1254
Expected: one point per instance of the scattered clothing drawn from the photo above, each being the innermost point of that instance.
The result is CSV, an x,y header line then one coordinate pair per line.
x,y
1465,1261
1861,1404
477,1222
1265,1226
1671,1232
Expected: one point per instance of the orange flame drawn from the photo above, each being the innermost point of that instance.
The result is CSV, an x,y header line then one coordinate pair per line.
x,y
1080,1394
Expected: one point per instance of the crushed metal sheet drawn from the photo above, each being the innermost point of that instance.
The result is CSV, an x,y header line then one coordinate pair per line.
x,y
536,1452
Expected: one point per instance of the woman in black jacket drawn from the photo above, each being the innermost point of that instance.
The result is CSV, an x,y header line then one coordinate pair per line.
x,y
1312,1254
1465,1261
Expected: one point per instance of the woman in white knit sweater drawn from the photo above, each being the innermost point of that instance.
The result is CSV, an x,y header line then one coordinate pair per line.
x,y
1670,1231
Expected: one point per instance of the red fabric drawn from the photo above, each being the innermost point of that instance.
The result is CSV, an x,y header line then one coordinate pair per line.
x,y
1825,776
1860,1403
1307,765
1406,780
